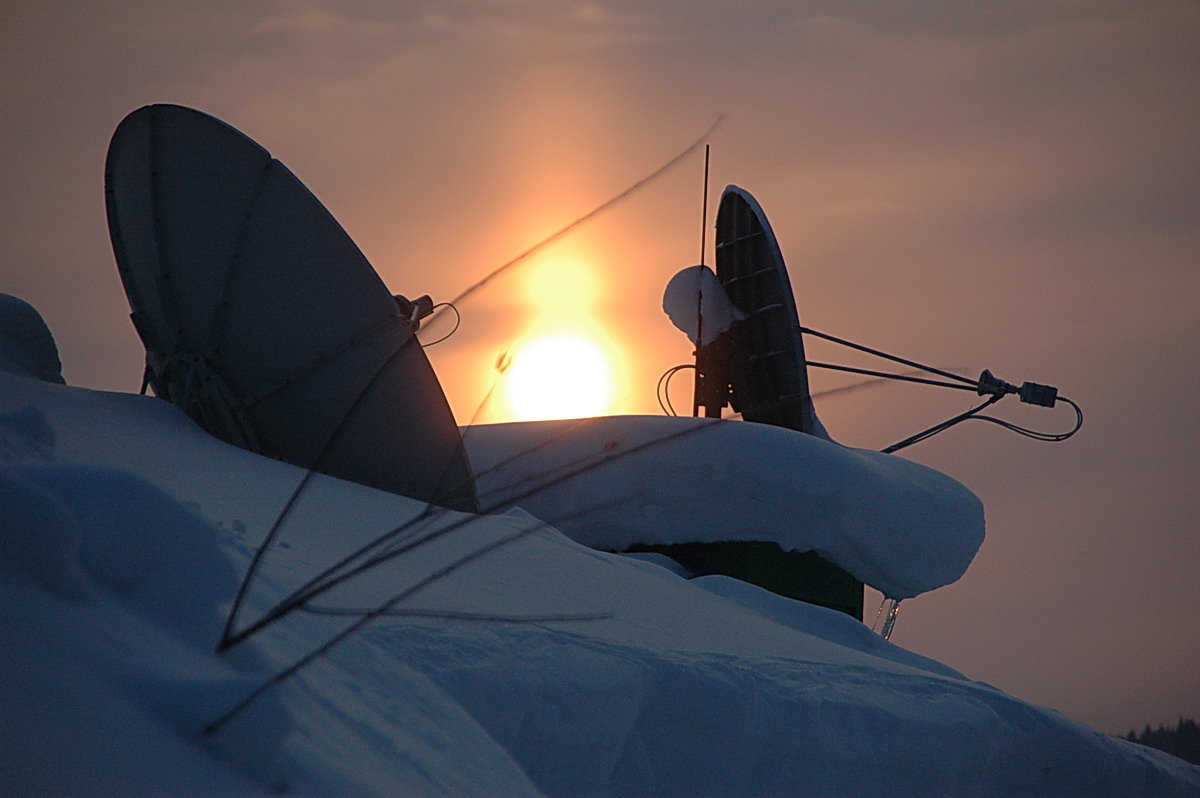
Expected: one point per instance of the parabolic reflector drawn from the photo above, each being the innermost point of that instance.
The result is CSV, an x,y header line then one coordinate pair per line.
x,y
770,381
263,320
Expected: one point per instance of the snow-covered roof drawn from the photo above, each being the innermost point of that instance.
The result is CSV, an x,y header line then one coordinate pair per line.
x,y
528,664
618,481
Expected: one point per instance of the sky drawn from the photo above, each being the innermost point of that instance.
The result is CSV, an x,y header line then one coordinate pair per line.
x,y
973,186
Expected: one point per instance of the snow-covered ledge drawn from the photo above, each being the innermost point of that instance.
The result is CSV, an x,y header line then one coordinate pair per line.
x,y
619,481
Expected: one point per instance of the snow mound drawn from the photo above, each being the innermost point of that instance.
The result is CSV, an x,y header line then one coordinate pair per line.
x,y
26,345
613,482
519,662
112,596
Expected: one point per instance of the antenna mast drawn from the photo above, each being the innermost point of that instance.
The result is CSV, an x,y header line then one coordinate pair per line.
x,y
699,284
704,209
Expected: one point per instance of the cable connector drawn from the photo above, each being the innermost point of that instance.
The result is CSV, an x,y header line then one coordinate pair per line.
x,y
990,383
413,310
1031,393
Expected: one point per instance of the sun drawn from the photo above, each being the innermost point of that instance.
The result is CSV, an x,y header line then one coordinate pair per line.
x,y
561,376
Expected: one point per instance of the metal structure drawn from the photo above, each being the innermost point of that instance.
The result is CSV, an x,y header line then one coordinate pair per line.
x,y
758,368
261,318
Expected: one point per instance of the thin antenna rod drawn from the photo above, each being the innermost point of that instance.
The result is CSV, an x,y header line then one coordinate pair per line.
x,y
700,288
704,212
582,219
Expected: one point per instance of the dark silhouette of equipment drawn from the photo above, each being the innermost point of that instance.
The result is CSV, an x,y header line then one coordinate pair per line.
x,y
261,318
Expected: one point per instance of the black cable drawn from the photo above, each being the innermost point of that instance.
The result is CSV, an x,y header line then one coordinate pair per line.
x,y
1048,437
454,329
663,390
945,425
974,414
886,356
974,386
986,384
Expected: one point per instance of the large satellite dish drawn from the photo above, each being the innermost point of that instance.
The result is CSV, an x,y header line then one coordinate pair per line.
x,y
262,319
769,375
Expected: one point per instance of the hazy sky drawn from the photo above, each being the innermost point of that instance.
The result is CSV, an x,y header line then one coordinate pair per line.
x,y
978,185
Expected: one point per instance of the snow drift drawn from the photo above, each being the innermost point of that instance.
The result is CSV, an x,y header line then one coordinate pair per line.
x,y
539,666
901,527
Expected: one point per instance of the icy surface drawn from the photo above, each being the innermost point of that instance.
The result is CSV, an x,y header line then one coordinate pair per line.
x,y
696,287
616,481
538,667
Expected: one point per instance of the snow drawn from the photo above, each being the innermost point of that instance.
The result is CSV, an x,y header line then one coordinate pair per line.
x,y
616,481
532,665
697,287
26,345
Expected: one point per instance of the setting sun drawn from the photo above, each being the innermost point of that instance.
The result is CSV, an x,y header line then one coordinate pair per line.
x,y
558,377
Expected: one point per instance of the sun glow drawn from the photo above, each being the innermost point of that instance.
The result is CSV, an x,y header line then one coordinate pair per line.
x,y
561,286
561,376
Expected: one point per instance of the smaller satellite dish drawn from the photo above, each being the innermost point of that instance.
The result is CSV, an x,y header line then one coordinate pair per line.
x,y
759,367
262,319
752,358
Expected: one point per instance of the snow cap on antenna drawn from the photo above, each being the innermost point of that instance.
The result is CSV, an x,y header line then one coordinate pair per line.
x,y
693,289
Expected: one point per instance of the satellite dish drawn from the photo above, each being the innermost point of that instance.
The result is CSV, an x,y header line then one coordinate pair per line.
x,y
757,366
761,371
262,319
